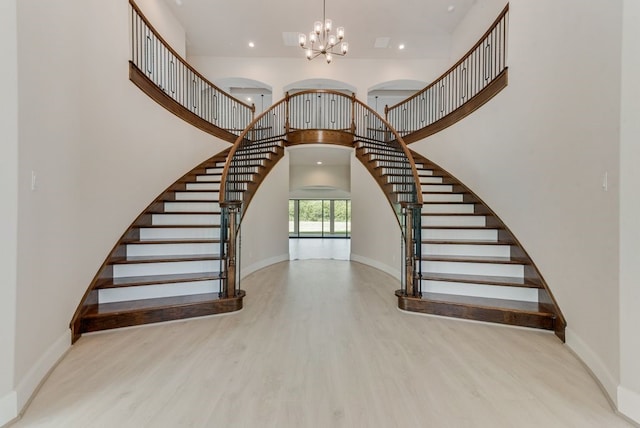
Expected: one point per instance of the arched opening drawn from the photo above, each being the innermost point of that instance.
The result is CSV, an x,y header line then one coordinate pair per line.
x,y
392,92
249,91
335,85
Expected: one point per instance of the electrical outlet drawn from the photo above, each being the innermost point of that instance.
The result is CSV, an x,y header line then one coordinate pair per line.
x,y
605,182
34,183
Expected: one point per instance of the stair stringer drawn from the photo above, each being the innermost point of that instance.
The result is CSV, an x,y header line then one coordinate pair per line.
x,y
531,271
89,300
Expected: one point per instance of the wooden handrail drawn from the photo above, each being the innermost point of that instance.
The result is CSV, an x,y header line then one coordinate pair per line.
x,y
402,144
182,60
453,95
287,100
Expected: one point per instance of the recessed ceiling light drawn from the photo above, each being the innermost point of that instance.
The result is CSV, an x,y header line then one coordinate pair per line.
x,y
451,8
252,45
249,99
179,2
319,162
401,46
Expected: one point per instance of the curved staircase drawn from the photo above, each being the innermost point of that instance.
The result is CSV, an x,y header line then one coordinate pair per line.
x,y
169,264
471,265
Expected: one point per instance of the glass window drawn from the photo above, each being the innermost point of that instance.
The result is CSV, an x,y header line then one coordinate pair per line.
x,y
319,218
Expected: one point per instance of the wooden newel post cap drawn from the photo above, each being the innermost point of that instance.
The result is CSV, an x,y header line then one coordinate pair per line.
x,y
410,205
232,205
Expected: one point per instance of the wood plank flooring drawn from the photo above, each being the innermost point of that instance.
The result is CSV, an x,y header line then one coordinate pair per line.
x,y
320,343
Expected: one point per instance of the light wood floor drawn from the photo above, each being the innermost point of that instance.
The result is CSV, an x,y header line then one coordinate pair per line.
x,y
320,343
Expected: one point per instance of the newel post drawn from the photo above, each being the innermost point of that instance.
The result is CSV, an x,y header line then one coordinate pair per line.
x,y
287,124
233,211
411,240
353,112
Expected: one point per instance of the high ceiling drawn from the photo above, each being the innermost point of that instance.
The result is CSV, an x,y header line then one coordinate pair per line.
x,y
225,28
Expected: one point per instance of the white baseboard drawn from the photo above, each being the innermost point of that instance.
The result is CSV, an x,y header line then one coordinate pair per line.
x,y
376,264
593,362
246,271
629,403
41,369
8,408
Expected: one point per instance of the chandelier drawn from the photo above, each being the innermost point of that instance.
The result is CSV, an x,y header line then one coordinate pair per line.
x,y
321,41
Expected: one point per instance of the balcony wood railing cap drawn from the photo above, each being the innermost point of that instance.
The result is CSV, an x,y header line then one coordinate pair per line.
x,y
135,7
387,109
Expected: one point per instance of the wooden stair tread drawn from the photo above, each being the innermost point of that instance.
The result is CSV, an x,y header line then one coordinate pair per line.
x,y
164,259
136,305
184,212
489,303
454,214
482,279
178,226
463,227
133,281
476,259
171,241
446,202
466,242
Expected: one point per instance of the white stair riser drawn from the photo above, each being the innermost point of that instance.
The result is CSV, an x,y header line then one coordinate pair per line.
x,y
466,234
430,180
141,269
453,197
202,196
124,294
434,208
466,250
425,172
454,220
437,188
186,207
179,233
481,290
184,219
251,163
209,178
203,186
137,250
217,170
490,269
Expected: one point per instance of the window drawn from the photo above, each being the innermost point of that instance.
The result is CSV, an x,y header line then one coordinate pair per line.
x,y
319,218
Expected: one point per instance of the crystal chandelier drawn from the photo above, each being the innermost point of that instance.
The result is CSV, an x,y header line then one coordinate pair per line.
x,y
321,41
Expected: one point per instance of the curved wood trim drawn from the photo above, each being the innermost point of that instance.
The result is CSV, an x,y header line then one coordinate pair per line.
x,y
474,103
460,61
545,296
182,60
90,297
319,136
158,95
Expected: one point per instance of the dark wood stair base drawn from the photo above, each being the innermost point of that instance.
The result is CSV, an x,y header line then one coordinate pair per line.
x,y
116,315
510,312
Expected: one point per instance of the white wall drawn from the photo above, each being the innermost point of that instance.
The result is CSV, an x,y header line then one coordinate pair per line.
x,y
629,390
9,211
375,232
537,154
265,227
337,176
102,150
165,23
279,72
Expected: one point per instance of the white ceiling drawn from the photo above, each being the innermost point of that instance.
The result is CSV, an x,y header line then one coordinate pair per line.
x,y
310,155
224,28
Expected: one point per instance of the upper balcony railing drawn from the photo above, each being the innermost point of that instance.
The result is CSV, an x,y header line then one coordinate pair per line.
x,y
170,73
468,84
